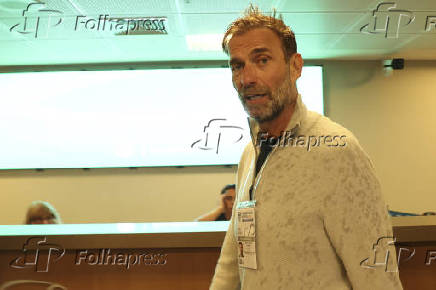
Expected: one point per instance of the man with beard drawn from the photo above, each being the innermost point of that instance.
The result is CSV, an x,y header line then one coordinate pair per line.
x,y
306,219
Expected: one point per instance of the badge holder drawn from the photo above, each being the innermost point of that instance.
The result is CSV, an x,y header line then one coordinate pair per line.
x,y
246,234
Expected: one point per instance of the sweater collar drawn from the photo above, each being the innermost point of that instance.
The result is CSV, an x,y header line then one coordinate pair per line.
x,y
298,116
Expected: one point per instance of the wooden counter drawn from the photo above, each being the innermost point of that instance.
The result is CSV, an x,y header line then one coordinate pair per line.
x,y
161,255
110,256
416,251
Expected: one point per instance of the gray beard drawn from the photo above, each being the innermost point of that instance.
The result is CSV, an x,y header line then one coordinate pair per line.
x,y
278,104
277,109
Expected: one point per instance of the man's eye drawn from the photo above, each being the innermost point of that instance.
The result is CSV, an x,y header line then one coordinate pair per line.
x,y
236,67
263,60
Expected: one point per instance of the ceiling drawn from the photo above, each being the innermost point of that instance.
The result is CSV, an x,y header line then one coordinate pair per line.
x,y
68,32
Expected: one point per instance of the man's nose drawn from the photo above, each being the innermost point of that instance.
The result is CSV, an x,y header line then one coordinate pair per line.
x,y
248,76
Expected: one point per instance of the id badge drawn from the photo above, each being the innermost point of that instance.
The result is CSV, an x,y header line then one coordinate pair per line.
x,y
246,234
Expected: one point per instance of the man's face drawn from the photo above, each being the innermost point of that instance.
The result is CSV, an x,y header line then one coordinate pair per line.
x,y
263,79
229,199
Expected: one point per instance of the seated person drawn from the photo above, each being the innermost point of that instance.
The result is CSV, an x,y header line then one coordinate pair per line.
x,y
224,211
42,212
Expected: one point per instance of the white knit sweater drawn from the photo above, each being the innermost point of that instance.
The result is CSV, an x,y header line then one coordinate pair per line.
x,y
318,215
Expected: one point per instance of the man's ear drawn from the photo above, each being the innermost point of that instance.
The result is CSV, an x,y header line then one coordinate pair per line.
x,y
296,65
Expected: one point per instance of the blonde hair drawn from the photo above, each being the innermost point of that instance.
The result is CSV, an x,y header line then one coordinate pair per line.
x,y
253,18
42,210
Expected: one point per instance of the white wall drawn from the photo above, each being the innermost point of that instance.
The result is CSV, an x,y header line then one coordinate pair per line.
x,y
393,117
115,195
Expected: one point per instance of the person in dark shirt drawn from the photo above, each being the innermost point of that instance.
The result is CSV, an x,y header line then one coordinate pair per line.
x,y
224,211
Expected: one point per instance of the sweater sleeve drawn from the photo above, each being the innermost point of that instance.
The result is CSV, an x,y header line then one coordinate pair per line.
x,y
357,223
226,272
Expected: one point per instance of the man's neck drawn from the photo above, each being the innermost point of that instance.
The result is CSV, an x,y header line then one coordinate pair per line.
x,y
278,125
